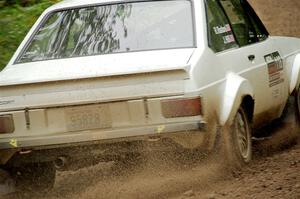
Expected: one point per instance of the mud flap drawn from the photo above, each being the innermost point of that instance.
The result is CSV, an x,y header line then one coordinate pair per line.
x,y
283,132
6,155
290,120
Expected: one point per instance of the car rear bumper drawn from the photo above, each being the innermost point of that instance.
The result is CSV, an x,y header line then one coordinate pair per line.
x,y
103,136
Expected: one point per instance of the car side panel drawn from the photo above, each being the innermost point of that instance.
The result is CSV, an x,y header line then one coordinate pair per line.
x,y
290,50
269,100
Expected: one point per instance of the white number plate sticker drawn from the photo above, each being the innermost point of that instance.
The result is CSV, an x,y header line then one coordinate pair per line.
x,y
88,117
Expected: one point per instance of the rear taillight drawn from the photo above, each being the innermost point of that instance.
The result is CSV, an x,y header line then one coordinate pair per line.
x,y
6,124
181,107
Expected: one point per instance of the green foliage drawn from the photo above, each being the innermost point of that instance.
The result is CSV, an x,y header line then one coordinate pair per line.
x,y
4,3
15,22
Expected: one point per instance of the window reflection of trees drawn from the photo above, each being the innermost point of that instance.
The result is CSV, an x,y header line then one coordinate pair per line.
x,y
127,27
80,32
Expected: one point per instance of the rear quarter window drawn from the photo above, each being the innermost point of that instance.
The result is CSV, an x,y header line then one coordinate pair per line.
x,y
220,35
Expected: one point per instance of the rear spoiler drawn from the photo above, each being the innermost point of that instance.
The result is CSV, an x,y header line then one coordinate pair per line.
x,y
181,72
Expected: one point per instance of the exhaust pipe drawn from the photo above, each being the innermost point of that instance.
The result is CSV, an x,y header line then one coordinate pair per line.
x,y
60,162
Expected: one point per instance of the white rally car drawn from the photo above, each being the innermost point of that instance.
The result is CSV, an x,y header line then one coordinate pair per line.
x,y
101,78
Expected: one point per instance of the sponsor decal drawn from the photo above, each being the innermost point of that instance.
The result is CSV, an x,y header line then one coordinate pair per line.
x,y
276,93
222,29
228,39
161,128
275,68
13,143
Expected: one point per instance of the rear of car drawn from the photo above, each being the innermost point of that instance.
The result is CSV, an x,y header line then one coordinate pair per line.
x,y
111,79
102,73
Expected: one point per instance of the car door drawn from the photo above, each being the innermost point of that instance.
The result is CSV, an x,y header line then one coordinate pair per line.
x,y
255,59
277,72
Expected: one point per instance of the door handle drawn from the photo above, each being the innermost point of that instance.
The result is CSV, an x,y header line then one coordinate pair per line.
x,y
251,58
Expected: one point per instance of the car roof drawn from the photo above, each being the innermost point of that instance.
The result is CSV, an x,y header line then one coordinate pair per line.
x,y
75,3
78,3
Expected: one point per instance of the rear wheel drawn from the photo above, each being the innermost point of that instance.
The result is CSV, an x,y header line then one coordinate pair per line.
x,y
297,96
236,140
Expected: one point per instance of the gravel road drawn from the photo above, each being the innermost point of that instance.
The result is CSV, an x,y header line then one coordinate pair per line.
x,y
274,173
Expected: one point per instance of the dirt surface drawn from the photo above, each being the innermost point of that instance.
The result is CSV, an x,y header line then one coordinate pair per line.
x,y
274,176
280,17
274,172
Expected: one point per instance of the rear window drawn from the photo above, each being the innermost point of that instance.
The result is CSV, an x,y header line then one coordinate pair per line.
x,y
112,29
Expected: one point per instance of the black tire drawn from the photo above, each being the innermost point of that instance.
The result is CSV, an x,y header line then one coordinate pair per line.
x,y
35,177
236,144
297,104
297,113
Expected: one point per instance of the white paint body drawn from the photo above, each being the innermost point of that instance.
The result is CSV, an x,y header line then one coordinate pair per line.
x,y
126,81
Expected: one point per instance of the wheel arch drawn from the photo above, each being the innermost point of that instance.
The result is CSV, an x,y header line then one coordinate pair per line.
x,y
237,91
295,74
